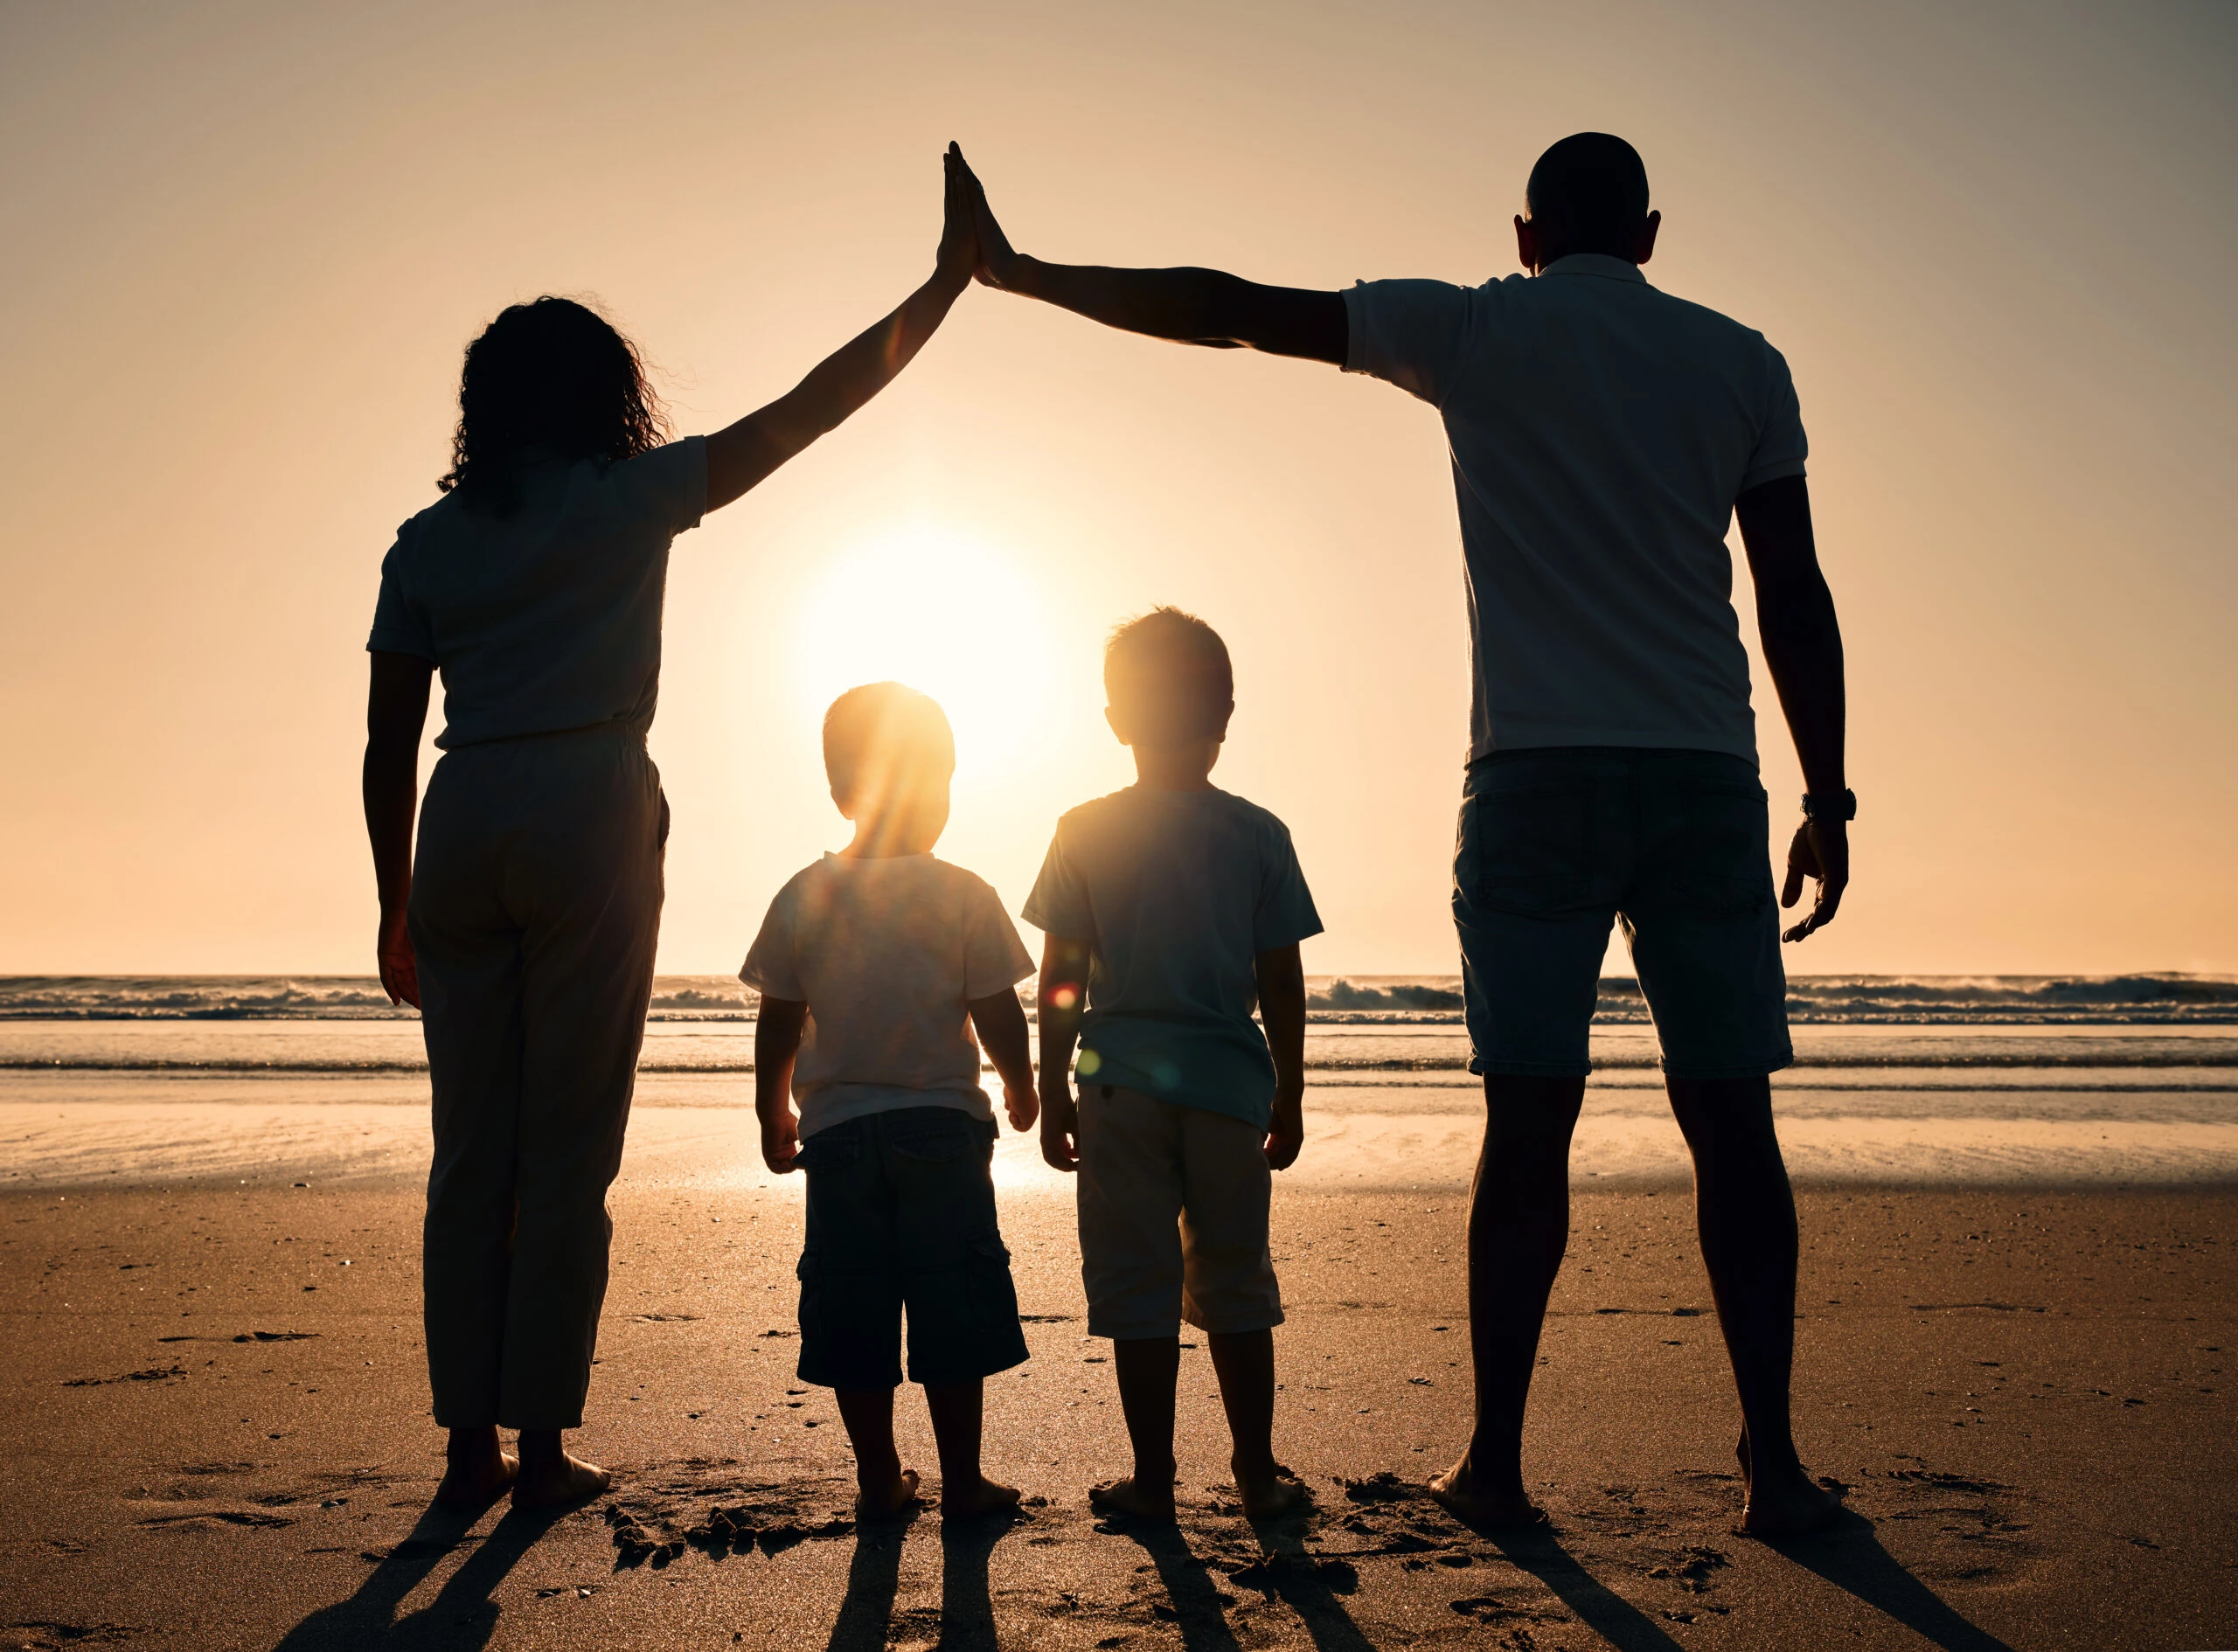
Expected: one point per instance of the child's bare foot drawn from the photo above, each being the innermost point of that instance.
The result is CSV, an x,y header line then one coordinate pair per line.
x,y
1469,1497
1269,1491
554,1482
1134,1498
890,1499
969,1501
479,1471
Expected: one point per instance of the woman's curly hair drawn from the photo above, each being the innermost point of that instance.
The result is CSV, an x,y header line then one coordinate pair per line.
x,y
552,374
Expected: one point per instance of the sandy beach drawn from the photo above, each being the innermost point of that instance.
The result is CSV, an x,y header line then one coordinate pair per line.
x,y
216,1430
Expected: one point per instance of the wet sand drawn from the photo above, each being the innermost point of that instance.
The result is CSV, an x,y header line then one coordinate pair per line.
x,y
216,1430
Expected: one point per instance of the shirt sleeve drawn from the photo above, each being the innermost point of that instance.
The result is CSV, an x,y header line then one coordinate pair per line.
x,y
771,965
400,626
667,485
1059,905
1284,914
994,957
1781,446
1411,334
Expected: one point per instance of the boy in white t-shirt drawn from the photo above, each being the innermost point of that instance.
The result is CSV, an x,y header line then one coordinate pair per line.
x,y
875,966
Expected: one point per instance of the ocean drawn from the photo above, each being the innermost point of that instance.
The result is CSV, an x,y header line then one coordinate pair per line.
x,y
1905,1079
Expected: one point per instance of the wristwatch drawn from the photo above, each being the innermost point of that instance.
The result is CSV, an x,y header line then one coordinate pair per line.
x,y
1829,807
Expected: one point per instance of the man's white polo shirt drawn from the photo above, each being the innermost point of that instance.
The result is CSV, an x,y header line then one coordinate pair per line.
x,y
1601,431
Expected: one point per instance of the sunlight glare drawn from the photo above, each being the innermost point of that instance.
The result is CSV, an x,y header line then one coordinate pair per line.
x,y
943,613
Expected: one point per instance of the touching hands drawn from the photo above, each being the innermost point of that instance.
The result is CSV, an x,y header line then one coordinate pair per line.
x,y
781,1142
400,966
959,253
1820,850
996,259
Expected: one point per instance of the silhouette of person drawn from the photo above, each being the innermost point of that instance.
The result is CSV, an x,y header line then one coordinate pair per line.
x,y
525,927
1604,436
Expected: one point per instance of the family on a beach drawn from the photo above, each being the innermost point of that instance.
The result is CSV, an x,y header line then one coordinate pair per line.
x,y
1605,436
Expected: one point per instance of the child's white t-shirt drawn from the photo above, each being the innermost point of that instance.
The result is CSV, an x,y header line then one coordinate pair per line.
x,y
887,954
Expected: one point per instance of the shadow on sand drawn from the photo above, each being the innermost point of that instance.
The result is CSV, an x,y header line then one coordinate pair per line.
x,y
1848,1555
967,1611
1287,1572
462,1614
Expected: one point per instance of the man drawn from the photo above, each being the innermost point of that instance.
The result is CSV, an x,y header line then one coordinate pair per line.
x,y
1604,436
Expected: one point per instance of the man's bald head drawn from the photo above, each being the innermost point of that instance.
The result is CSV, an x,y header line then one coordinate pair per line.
x,y
1587,194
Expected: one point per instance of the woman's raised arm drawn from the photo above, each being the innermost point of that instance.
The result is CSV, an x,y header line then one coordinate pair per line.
x,y
743,454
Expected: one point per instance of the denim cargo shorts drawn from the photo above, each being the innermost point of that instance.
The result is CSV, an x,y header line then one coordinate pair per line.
x,y
901,1216
1554,845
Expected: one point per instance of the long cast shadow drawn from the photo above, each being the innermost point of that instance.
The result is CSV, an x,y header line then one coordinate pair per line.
x,y
873,1575
1599,1608
1290,1573
462,1614
1849,1556
967,1600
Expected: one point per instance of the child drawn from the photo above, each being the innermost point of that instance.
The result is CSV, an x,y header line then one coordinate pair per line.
x,y
874,966
1175,905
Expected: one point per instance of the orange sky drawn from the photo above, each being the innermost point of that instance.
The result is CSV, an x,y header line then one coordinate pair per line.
x,y
245,245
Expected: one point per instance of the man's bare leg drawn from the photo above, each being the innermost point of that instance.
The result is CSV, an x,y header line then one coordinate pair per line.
x,y
965,1492
478,1472
1147,1368
549,1477
1518,1227
1745,1211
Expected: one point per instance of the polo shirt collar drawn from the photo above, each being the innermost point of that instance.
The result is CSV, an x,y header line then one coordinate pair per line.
x,y
1601,264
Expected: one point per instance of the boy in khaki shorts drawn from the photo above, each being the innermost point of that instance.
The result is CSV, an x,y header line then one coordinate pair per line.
x,y
1170,908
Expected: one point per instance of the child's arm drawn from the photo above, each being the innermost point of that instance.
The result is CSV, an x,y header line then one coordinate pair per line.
x,y
1000,1021
1281,1010
742,454
777,1026
1062,996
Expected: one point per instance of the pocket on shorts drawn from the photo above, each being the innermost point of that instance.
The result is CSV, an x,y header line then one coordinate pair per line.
x,y
816,1313
833,1147
1721,865
990,1291
1532,847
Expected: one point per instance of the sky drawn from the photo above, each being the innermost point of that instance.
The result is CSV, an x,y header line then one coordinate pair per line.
x,y
245,245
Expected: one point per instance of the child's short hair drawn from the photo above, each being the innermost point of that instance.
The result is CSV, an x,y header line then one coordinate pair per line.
x,y
1167,673
884,743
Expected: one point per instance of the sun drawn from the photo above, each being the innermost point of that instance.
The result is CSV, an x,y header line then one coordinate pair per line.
x,y
946,615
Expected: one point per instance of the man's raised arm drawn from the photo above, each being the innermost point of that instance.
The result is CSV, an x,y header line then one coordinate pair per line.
x,y
1188,306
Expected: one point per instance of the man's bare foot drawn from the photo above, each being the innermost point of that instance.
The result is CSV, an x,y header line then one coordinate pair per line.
x,y
554,1482
1464,1496
1134,1499
969,1501
475,1481
891,1501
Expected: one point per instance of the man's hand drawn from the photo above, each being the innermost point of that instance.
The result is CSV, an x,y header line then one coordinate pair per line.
x,y
399,967
1060,1127
1286,1132
781,1142
1022,1104
996,259
1820,850
961,202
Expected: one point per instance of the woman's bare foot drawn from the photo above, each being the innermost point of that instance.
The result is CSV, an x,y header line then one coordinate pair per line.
x,y
1789,1503
1135,1499
479,1471
969,1501
553,1482
891,1499
1465,1495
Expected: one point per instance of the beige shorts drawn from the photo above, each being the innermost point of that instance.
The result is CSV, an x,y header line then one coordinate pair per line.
x,y
1173,1218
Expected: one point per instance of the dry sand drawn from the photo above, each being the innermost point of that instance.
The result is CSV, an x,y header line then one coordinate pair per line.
x,y
216,1433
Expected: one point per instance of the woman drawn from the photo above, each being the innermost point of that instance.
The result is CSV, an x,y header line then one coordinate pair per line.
x,y
525,930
